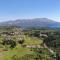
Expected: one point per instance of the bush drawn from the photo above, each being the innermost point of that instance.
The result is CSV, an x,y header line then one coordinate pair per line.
x,y
13,44
9,42
21,41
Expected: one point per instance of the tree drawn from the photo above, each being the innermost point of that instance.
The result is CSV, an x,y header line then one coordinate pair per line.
x,y
12,43
21,41
57,56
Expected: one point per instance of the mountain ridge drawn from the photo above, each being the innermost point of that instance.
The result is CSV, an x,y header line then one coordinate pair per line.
x,y
36,22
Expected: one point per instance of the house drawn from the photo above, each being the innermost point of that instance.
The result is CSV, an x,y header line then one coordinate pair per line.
x,y
43,34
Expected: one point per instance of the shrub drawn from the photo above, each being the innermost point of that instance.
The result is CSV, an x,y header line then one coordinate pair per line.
x,y
21,41
9,42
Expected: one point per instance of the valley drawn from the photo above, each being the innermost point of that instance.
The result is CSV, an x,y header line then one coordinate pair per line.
x,y
31,44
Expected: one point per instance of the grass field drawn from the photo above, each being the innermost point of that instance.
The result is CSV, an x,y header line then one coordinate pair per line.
x,y
32,41
19,51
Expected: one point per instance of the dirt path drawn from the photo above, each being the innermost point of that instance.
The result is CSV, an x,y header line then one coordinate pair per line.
x,y
2,54
51,51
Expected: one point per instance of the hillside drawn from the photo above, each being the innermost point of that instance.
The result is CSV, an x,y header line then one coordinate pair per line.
x,y
28,23
16,44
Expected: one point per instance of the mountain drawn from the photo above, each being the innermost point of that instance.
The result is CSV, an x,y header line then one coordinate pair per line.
x,y
28,23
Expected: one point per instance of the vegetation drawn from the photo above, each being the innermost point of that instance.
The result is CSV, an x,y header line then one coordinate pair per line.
x,y
31,44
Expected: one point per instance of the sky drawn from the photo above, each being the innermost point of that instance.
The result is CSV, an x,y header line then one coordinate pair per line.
x,y
28,9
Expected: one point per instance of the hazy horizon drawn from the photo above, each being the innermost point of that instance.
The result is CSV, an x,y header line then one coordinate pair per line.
x,y
28,9
28,19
